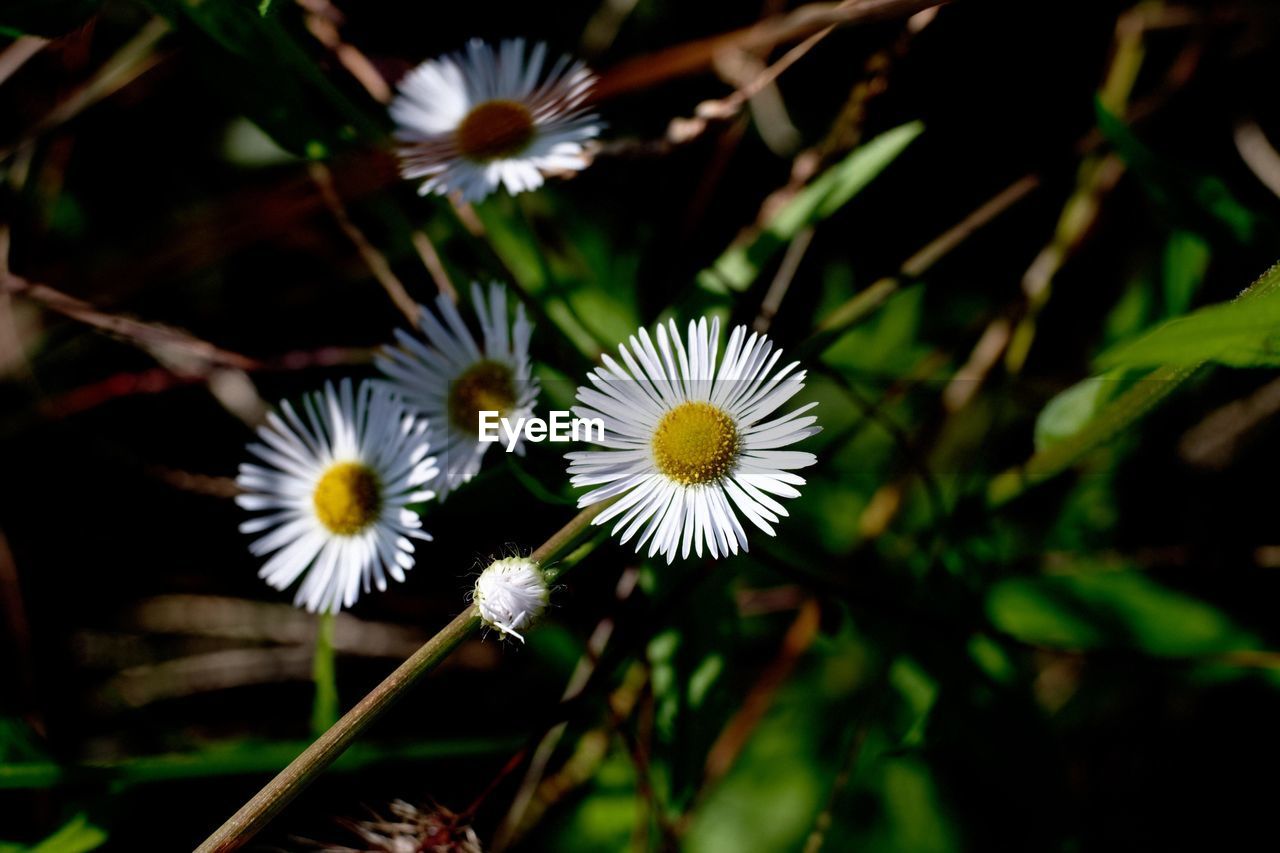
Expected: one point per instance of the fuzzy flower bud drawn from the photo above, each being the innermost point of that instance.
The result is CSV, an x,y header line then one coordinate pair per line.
x,y
511,594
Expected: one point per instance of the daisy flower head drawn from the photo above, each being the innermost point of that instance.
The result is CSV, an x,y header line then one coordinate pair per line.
x,y
449,378
690,440
487,117
335,485
511,594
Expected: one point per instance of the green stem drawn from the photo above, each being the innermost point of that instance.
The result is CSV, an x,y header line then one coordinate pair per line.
x,y
324,709
290,782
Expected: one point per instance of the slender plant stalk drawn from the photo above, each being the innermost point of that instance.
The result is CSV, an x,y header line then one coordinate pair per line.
x,y
324,672
290,782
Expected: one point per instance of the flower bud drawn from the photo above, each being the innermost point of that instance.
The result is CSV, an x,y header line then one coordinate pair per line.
x,y
511,594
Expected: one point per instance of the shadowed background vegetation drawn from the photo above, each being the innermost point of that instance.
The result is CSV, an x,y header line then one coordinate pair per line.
x,y
1026,600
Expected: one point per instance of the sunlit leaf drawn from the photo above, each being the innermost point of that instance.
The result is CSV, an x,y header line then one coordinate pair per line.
x,y
77,835
1070,410
1242,333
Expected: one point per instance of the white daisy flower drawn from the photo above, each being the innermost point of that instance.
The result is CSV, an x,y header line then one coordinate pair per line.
x,y
336,486
450,379
686,444
511,594
473,120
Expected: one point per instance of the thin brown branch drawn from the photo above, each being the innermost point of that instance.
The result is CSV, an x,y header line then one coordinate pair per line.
x,y
1258,154
876,294
1011,336
431,260
796,250
868,300
767,107
198,484
698,56
12,353
158,380
16,55
373,258
129,63
323,20
845,132
139,332
685,129
1214,442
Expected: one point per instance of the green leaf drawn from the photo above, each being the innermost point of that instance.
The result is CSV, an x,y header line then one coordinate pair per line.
x,y
1118,609
991,659
1242,333
1140,398
919,691
737,268
605,817
75,836
1071,410
18,742
1031,611
774,791
246,145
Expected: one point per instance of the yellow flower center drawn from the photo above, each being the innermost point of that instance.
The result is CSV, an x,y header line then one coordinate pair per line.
x,y
486,386
493,130
348,498
695,443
